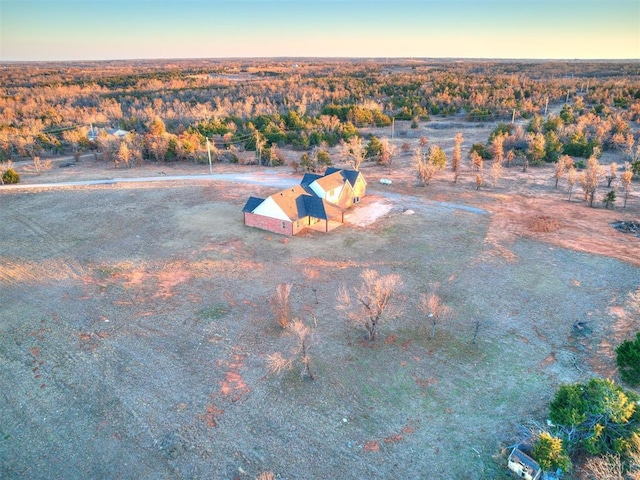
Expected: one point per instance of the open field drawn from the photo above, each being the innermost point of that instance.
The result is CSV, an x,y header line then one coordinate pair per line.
x,y
135,326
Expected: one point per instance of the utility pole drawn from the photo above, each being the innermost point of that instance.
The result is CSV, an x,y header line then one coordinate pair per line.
x,y
513,117
393,126
209,152
567,100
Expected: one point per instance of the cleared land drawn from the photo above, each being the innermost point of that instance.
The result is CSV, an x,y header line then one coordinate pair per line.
x,y
134,327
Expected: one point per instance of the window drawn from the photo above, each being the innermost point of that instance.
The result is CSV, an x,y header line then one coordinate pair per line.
x,y
284,225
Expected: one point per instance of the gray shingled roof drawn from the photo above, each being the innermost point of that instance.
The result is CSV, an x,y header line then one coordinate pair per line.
x,y
350,175
251,204
309,178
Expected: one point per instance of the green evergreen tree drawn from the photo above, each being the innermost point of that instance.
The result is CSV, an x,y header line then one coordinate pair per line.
x,y
628,359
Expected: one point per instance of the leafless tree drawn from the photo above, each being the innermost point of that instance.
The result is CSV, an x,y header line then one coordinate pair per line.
x,y
260,144
477,163
370,303
590,179
497,147
625,181
433,307
607,467
123,156
281,303
456,158
564,163
298,354
496,170
476,330
387,153
511,155
266,476
354,151
572,177
613,173
39,166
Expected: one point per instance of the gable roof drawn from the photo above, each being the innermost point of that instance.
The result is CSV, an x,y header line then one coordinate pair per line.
x,y
251,204
309,178
330,181
350,175
289,201
317,207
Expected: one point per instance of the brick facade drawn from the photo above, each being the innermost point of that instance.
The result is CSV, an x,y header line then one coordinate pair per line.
x,y
270,224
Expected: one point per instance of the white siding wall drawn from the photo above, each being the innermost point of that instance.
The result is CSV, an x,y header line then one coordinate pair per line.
x,y
269,208
317,189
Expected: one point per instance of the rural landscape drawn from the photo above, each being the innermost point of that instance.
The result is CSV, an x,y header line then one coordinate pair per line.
x,y
482,296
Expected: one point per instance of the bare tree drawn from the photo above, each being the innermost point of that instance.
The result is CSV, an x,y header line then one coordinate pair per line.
x,y
456,158
39,166
613,173
590,179
354,151
298,354
428,164
572,177
477,163
281,303
496,170
370,303
387,152
431,305
260,144
476,329
123,156
497,147
625,181
607,467
511,155
564,163
425,169
266,476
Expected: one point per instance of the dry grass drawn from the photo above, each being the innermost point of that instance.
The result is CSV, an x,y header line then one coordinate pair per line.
x,y
154,329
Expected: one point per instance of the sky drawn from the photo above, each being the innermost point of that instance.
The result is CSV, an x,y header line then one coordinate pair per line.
x,y
52,30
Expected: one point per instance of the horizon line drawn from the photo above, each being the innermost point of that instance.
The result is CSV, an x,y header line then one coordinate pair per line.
x,y
287,57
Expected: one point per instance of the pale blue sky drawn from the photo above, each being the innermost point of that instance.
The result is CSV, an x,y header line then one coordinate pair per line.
x,y
124,29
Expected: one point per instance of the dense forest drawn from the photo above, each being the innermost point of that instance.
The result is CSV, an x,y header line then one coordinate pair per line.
x,y
170,108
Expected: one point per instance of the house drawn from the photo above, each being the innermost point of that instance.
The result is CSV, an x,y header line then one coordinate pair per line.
x,y
318,202
95,132
523,465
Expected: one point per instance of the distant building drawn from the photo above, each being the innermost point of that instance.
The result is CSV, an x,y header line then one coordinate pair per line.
x,y
95,132
317,202
523,465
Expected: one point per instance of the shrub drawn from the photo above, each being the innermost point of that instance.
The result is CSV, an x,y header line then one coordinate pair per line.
x,y
628,359
10,176
481,150
598,417
550,454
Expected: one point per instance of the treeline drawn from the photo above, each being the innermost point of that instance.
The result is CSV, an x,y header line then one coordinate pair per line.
x,y
298,104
